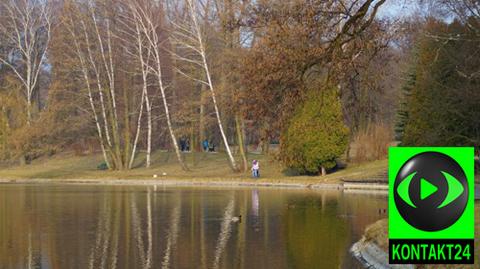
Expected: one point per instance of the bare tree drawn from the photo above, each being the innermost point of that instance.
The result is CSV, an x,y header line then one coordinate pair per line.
x,y
106,53
141,47
26,29
188,35
150,24
95,45
69,25
85,52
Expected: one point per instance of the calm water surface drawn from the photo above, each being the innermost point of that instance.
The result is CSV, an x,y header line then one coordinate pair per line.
x,y
78,226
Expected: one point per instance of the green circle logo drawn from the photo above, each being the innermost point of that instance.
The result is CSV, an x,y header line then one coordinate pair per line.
x,y
431,191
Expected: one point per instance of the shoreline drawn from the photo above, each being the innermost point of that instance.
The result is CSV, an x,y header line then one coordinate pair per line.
x,y
370,255
358,186
372,249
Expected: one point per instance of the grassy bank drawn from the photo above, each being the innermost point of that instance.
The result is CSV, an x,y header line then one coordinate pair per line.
x,y
204,167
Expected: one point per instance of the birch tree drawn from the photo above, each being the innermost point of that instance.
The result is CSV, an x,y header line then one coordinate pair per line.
x,y
69,25
188,35
229,14
102,50
26,29
104,44
99,99
142,56
150,25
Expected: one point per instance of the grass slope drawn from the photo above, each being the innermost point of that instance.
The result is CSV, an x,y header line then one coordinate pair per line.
x,y
204,167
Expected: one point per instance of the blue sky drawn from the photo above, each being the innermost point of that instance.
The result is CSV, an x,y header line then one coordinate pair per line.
x,y
397,8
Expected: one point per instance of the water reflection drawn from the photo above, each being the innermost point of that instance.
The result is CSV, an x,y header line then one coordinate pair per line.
x,y
225,231
255,203
53,226
172,234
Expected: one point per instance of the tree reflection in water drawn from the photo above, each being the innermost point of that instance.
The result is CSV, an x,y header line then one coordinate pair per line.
x,y
225,231
172,235
72,226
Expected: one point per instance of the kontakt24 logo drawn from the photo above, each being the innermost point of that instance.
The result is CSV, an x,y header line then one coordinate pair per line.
x,y
431,205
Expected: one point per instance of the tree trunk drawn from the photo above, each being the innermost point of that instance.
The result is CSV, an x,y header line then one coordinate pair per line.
x,y
23,160
149,131
324,171
201,128
116,151
193,143
265,139
4,132
126,129
233,164
86,76
29,110
240,141
137,135
151,33
167,116
107,59
203,54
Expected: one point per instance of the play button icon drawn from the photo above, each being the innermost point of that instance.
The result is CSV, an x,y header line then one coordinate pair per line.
x,y
431,191
426,189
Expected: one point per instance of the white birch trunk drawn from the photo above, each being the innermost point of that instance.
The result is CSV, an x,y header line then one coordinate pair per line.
x,y
108,64
143,68
202,52
99,85
137,135
146,18
167,112
86,77
107,60
149,131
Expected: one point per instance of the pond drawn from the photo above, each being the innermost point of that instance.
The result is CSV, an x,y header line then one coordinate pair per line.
x,y
87,226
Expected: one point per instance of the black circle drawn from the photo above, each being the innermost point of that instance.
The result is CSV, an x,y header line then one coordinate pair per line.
x,y
426,215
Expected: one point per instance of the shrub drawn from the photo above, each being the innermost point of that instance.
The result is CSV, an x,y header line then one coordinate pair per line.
x,y
102,166
316,135
371,143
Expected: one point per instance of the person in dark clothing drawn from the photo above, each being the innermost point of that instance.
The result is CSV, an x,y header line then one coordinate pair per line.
x,y
212,147
205,145
182,144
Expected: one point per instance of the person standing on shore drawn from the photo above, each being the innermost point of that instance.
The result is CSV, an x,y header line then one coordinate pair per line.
x,y
255,169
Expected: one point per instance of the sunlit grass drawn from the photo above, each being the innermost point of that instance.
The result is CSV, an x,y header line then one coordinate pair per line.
x,y
204,167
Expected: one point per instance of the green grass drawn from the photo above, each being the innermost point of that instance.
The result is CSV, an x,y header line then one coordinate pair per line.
x,y
204,167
